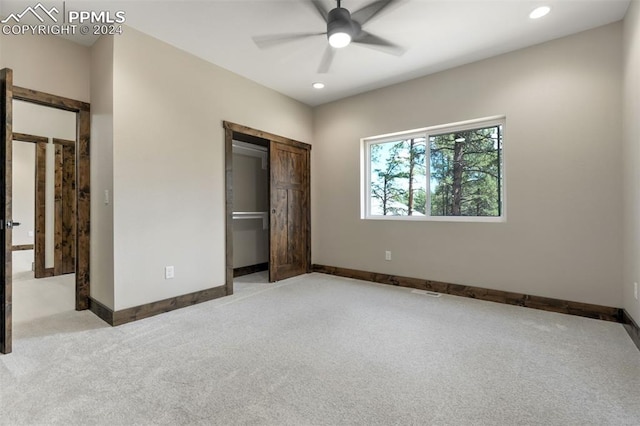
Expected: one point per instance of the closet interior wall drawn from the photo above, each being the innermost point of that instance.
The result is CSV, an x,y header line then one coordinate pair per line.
x,y
250,207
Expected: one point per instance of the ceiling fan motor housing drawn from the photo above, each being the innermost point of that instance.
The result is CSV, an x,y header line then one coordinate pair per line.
x,y
339,21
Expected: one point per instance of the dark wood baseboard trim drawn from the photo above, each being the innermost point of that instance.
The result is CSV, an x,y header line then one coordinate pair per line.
x,y
536,302
101,311
251,269
22,247
136,313
632,327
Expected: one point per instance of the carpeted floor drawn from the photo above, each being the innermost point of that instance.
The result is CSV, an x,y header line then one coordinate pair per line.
x,y
42,298
324,350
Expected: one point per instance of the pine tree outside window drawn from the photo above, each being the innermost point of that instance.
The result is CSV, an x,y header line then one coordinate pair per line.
x,y
451,172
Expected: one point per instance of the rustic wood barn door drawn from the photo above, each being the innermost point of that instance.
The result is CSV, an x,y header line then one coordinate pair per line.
x,y
289,239
6,89
290,202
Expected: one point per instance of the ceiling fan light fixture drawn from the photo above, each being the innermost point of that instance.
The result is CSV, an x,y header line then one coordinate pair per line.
x,y
339,27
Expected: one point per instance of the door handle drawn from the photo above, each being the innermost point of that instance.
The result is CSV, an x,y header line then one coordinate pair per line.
x,y
12,224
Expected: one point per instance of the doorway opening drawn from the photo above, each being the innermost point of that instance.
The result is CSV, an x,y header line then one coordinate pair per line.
x,y
44,206
250,207
267,205
80,247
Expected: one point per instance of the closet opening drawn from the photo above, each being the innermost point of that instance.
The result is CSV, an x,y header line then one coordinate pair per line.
x,y
250,207
268,206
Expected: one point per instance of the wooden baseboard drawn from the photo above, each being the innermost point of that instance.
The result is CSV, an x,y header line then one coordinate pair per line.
x,y
251,269
136,313
632,327
536,302
101,311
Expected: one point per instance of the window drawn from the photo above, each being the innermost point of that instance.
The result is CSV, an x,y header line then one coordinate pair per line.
x,y
451,172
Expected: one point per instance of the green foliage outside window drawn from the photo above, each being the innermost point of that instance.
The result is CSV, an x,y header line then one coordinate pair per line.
x,y
464,176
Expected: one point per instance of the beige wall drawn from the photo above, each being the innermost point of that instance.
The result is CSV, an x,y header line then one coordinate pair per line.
x,y
168,155
102,271
631,140
47,63
24,200
563,233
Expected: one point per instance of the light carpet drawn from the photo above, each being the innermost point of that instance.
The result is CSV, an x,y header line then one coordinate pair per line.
x,y
323,350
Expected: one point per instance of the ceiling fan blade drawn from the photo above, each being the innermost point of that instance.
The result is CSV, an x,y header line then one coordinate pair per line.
x,y
365,14
321,9
266,41
378,43
326,61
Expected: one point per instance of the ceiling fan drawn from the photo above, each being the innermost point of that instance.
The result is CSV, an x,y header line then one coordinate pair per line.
x,y
343,28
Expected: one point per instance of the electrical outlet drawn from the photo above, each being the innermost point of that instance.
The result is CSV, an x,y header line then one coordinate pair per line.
x,y
30,233
635,290
169,272
387,255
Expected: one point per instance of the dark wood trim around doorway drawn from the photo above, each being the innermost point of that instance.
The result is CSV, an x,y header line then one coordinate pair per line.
x,y
49,100
83,191
23,137
6,145
259,137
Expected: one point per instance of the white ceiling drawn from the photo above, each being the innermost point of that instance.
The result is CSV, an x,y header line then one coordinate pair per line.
x,y
437,34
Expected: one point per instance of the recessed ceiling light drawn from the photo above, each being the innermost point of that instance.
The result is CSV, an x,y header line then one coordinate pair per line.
x,y
539,12
318,85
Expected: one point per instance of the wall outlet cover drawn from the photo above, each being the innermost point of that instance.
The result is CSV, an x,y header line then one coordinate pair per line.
x,y
169,272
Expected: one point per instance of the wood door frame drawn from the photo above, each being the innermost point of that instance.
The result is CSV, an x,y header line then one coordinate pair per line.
x,y
238,129
6,252
83,181
41,143
83,194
